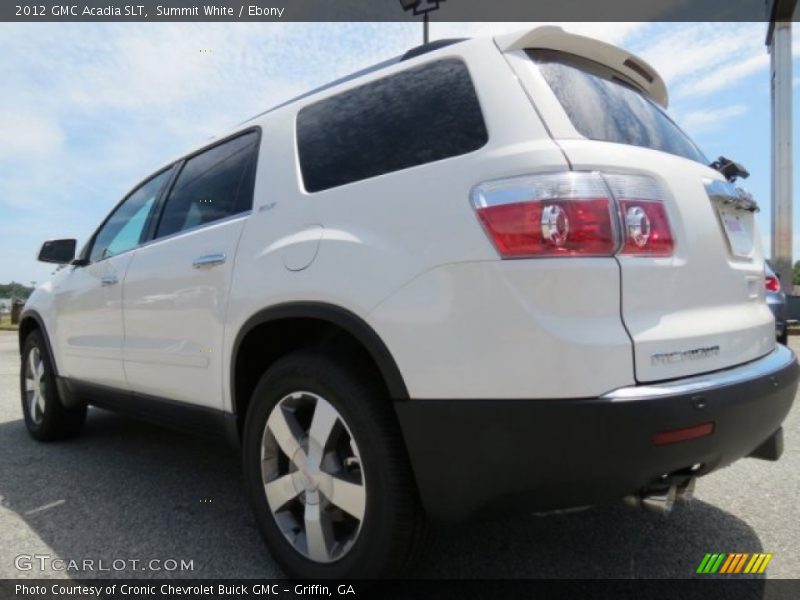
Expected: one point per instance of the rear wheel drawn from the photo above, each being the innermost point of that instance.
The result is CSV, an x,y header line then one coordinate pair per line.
x,y
327,473
45,416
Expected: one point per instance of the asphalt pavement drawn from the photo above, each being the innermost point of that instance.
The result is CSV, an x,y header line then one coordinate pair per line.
x,y
130,491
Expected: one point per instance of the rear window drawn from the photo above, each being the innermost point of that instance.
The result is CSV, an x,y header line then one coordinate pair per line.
x,y
420,115
603,106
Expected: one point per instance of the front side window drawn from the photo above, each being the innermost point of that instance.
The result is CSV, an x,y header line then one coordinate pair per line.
x,y
417,116
602,106
212,185
123,230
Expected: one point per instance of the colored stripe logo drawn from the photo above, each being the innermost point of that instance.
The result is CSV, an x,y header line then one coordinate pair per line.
x,y
734,563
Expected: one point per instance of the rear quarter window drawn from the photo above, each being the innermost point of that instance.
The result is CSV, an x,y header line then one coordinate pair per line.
x,y
603,106
417,116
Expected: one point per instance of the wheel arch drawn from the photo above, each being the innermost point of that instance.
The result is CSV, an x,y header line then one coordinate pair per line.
x,y
308,313
31,320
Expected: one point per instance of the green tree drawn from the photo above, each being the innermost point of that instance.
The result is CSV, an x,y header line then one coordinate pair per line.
x,y
15,290
796,273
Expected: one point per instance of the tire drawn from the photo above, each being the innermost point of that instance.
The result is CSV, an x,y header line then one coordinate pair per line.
x,y
364,447
46,418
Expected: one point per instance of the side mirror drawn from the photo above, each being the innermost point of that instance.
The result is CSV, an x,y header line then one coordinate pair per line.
x,y
60,252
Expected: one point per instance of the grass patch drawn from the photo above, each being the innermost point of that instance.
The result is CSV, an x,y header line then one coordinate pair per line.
x,y
5,325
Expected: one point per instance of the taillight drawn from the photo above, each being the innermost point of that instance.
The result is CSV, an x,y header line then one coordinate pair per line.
x,y
561,214
574,214
645,225
772,283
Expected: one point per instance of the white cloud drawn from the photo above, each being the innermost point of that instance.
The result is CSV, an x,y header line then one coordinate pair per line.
x,y
699,58
679,52
28,136
706,83
105,104
707,119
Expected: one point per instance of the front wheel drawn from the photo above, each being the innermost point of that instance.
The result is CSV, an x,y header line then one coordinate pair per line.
x,y
327,473
46,417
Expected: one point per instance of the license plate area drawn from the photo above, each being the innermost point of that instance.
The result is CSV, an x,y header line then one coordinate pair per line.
x,y
738,227
736,209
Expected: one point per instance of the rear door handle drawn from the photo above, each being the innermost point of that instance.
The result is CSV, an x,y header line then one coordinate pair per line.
x,y
209,260
108,280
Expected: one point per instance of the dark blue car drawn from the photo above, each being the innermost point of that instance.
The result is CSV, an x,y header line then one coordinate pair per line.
x,y
776,299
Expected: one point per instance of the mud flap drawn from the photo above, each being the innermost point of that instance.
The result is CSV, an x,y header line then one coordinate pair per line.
x,y
771,448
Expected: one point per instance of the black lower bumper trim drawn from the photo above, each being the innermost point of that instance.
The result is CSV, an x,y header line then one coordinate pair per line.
x,y
472,455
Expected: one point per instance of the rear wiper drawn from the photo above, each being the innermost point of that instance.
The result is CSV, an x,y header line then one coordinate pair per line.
x,y
731,170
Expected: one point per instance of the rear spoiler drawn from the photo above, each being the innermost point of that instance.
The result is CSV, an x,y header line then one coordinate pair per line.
x,y
554,38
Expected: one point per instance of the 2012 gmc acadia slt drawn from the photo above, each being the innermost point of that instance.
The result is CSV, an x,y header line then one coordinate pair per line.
x,y
489,273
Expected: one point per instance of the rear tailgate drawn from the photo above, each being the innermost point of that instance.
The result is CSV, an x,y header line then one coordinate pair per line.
x,y
701,306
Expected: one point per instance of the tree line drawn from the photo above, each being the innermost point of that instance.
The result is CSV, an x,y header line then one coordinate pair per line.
x,y
15,290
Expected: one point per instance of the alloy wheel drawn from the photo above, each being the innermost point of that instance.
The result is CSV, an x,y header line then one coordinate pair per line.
x,y
313,476
35,385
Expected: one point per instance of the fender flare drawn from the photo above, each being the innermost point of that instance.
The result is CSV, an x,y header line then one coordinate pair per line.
x,y
32,314
343,318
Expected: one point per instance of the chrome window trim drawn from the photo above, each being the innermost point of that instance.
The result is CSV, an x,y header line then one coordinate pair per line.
x,y
177,234
201,226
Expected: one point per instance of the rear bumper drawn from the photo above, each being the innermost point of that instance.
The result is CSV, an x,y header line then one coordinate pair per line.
x,y
475,455
778,308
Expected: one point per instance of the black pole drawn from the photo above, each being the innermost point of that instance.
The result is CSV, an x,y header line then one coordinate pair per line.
x,y
425,27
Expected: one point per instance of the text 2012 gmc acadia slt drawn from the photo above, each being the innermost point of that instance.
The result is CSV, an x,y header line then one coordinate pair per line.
x,y
489,273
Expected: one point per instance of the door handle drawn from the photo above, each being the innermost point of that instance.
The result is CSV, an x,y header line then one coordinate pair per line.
x,y
108,280
209,260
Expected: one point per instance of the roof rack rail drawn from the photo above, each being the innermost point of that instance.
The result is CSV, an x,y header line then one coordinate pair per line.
x,y
430,47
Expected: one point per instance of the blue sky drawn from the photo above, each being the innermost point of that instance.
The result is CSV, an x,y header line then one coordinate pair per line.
x,y
89,109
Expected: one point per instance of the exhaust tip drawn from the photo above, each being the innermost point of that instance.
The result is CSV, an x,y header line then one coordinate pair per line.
x,y
660,501
685,493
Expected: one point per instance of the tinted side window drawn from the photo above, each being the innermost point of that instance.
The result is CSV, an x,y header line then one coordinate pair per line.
x,y
123,229
212,185
418,116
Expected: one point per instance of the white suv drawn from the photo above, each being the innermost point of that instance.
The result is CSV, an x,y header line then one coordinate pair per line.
x,y
489,273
